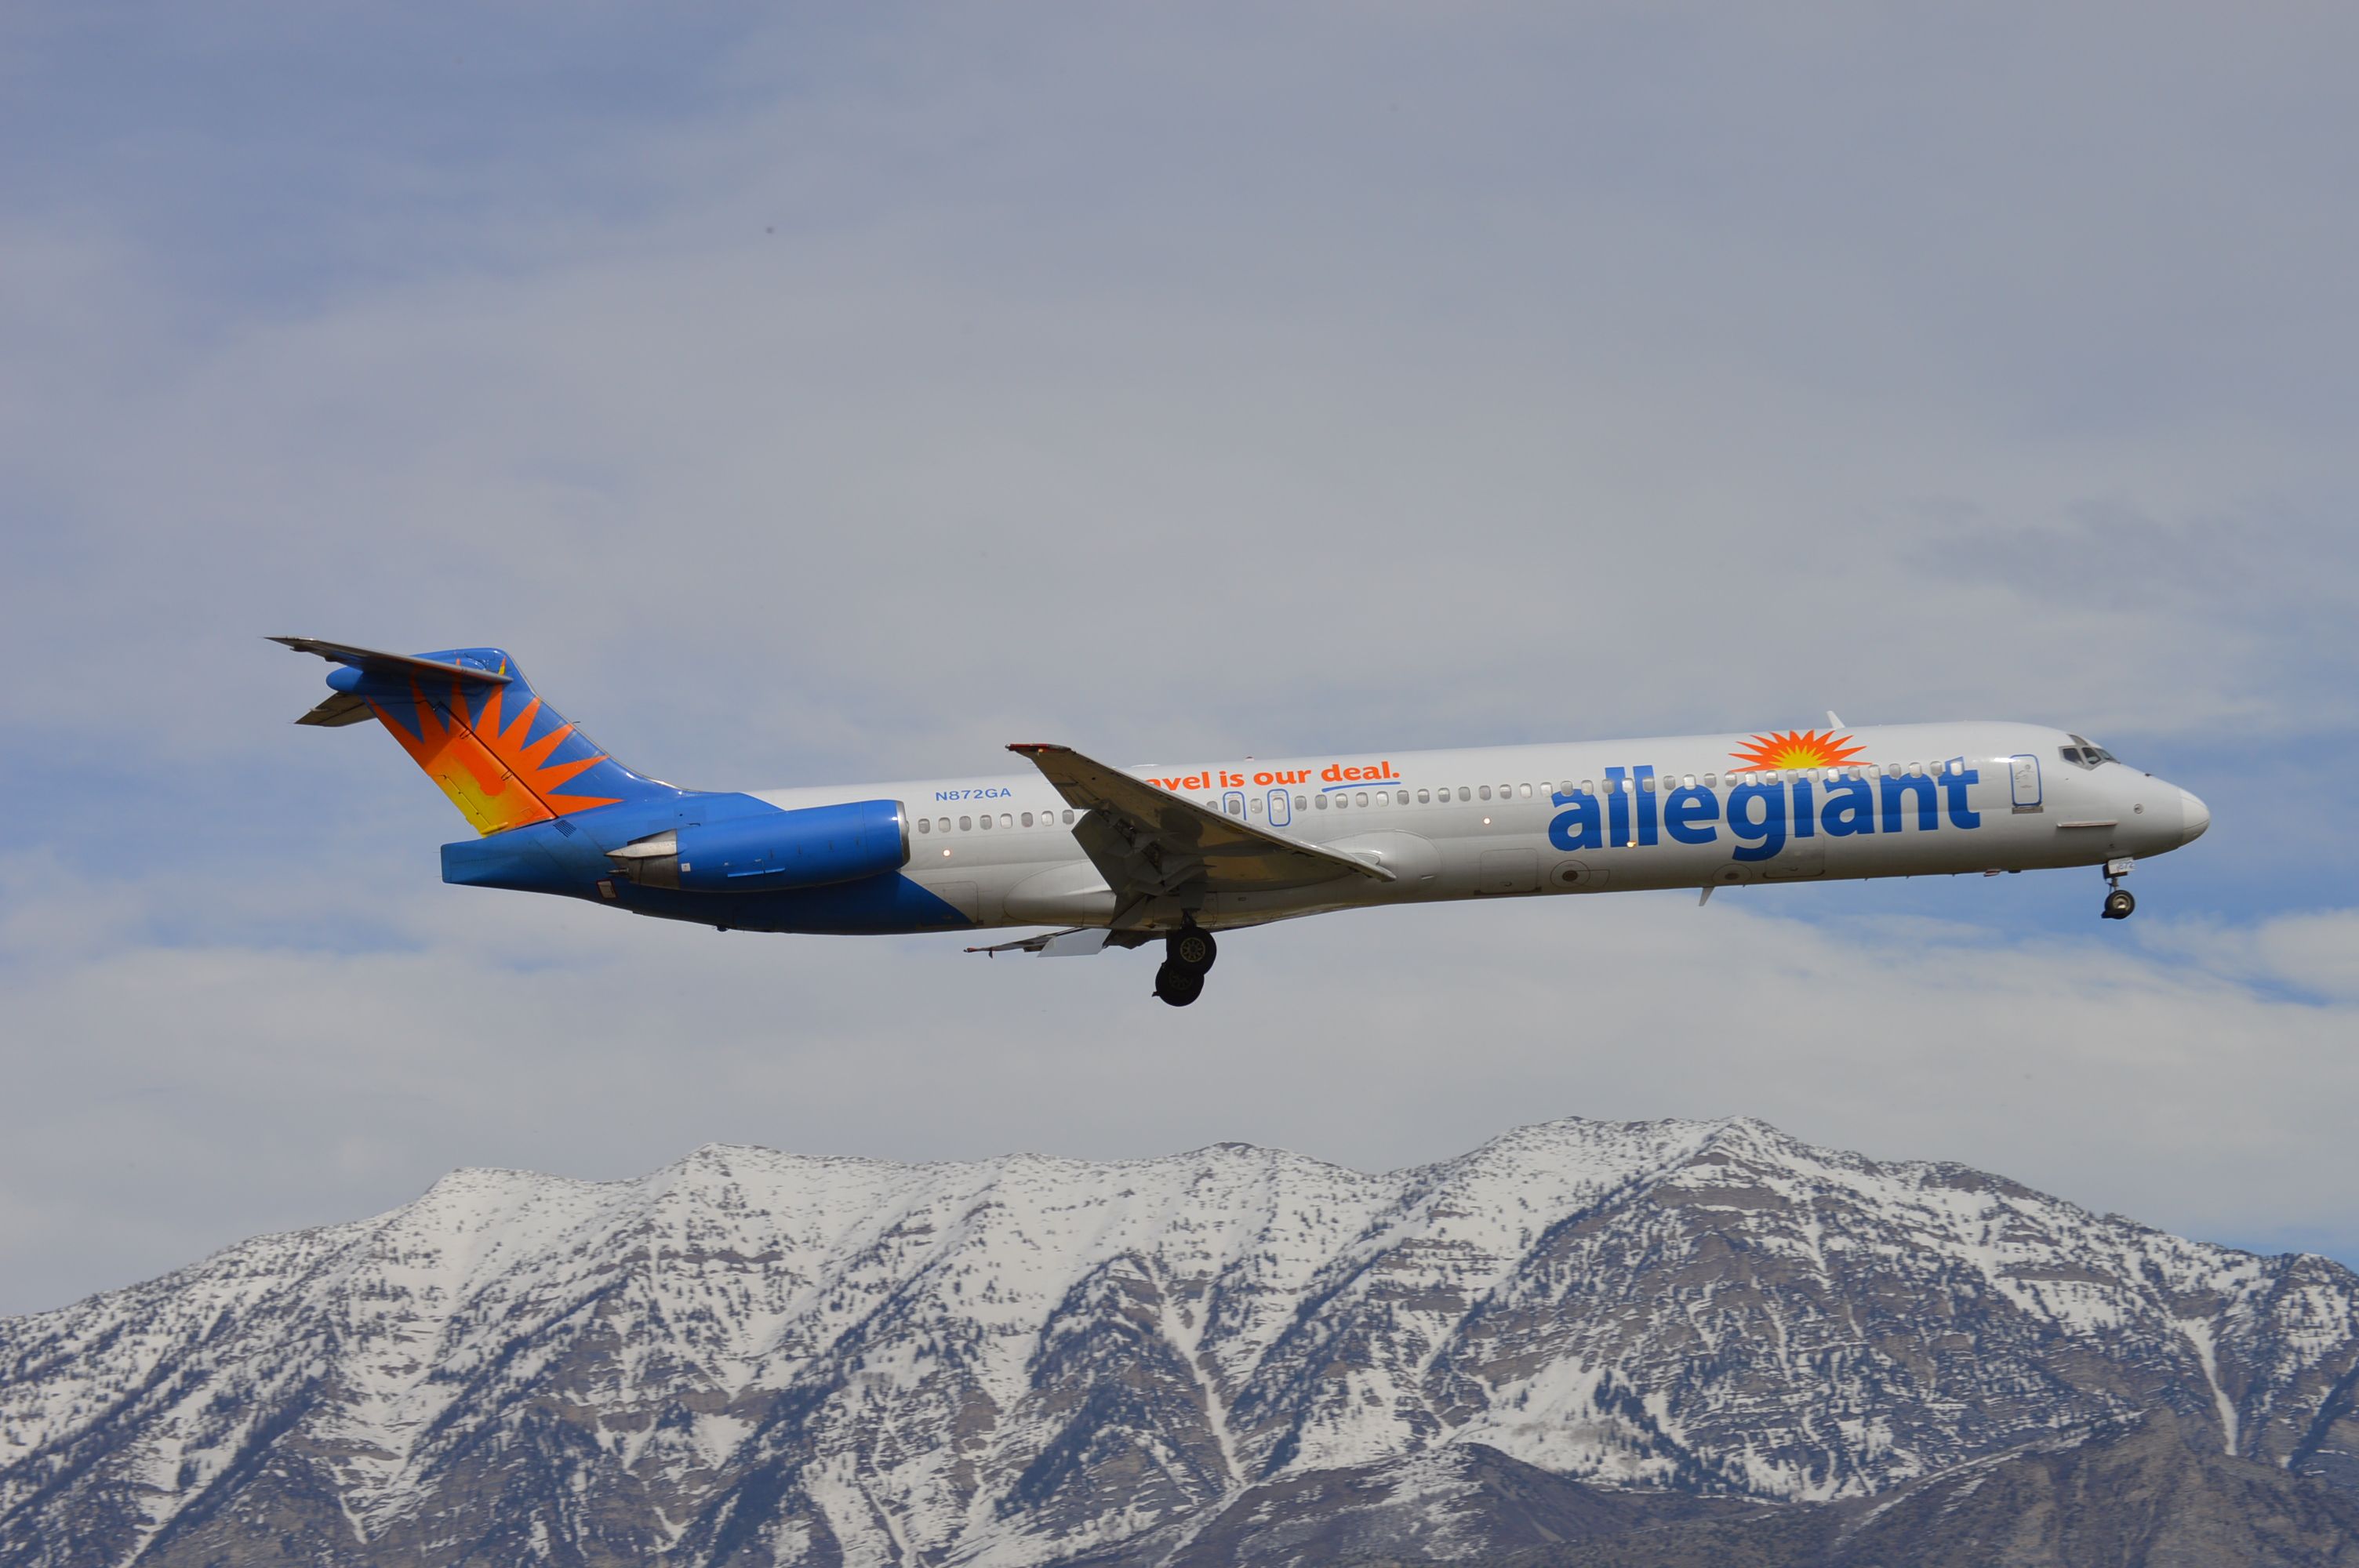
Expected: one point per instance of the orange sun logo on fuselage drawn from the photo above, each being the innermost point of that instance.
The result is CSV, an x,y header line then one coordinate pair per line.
x,y
1798,749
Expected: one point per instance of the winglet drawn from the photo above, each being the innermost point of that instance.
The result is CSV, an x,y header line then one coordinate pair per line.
x,y
1835,723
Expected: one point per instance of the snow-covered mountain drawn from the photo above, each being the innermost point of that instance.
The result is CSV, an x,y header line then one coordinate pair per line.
x,y
756,1358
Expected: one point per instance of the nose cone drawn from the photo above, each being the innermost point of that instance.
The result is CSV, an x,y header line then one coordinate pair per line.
x,y
2195,817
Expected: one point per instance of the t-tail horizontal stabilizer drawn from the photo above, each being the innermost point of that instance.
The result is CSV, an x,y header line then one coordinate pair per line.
x,y
349,706
473,723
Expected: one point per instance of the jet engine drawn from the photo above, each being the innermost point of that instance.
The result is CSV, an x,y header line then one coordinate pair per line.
x,y
772,851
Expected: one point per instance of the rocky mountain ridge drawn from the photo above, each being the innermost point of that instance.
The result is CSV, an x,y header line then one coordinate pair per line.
x,y
755,1357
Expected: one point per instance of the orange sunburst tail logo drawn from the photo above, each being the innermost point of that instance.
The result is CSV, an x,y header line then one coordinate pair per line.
x,y
1798,749
494,769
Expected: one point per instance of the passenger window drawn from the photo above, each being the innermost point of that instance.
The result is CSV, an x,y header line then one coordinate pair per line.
x,y
1361,798
966,824
1321,800
1588,786
1424,797
1027,819
1253,805
1069,816
1342,801
1687,781
1006,819
1484,792
1712,781
1300,804
1648,783
1464,794
1525,790
924,826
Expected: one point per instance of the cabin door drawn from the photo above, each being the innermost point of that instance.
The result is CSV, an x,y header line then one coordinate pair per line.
x,y
2023,774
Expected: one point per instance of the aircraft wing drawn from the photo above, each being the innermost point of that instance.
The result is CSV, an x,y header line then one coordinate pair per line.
x,y
1150,842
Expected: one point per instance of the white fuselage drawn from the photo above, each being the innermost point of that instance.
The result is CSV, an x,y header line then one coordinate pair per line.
x,y
1581,816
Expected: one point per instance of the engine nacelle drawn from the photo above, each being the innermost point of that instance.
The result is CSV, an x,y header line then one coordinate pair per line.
x,y
772,851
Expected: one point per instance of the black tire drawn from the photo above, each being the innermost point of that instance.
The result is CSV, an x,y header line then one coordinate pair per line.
x,y
2119,904
1192,947
1178,984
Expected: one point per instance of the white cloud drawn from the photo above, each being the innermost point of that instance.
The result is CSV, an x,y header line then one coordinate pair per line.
x,y
214,1091
1335,383
2315,955
876,392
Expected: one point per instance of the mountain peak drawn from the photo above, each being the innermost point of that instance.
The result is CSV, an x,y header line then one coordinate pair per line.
x,y
751,1354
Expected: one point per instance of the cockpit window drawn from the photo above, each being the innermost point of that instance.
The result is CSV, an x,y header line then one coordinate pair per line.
x,y
2085,752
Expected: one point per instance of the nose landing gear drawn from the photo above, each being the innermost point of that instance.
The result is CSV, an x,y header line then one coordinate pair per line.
x,y
2118,902
1189,952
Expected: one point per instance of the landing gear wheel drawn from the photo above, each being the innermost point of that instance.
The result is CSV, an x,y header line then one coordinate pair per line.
x,y
1178,984
1192,947
2118,904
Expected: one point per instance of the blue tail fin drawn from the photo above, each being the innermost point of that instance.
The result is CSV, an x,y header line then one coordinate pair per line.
x,y
470,720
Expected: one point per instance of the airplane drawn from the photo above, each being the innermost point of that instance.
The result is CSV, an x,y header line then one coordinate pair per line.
x,y
1175,852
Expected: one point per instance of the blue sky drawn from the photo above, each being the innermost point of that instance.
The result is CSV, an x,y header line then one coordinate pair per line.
x,y
836,396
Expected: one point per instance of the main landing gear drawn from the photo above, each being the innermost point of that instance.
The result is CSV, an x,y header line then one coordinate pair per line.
x,y
1188,954
2118,902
